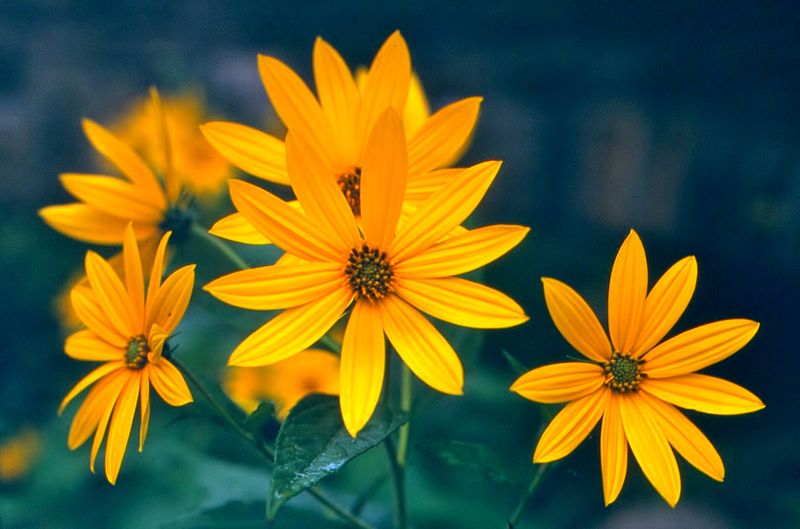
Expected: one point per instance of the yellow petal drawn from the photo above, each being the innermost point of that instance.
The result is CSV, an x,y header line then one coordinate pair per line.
x,y
93,316
119,431
298,108
156,340
91,411
686,438
424,350
338,95
171,180
386,85
461,302
613,450
650,447
575,320
422,185
561,382
570,427
172,299
277,286
417,108
442,136
286,227
88,380
87,345
156,271
443,211
363,361
116,197
463,253
697,348
383,179
703,393
87,224
249,149
236,228
291,331
111,295
120,378
144,406
627,291
169,383
665,303
134,278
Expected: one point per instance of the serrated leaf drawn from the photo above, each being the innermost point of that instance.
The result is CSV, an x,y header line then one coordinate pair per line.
x,y
261,416
313,444
474,456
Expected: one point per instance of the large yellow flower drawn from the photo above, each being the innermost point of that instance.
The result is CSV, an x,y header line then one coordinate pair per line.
x,y
384,272
127,331
633,382
337,124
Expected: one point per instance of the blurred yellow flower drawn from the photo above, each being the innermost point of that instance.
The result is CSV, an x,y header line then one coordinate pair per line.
x,y
337,124
634,382
284,383
382,269
18,454
127,331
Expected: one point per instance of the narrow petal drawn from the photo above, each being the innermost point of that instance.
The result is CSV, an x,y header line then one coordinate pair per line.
x,y
88,380
169,177
420,186
91,411
627,291
570,427
297,107
87,345
236,228
443,135
461,302
613,450
291,331
119,431
424,350
463,253
91,314
111,295
116,197
417,108
665,303
87,224
338,95
443,211
172,299
156,340
286,227
277,286
156,271
561,382
249,149
117,383
576,321
383,179
134,277
144,406
703,393
169,383
362,367
686,438
699,347
651,448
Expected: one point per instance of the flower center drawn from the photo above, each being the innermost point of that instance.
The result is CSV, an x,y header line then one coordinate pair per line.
x,y
369,272
136,354
179,221
623,373
350,184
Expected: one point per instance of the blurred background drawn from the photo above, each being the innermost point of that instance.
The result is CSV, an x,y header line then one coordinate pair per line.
x,y
679,120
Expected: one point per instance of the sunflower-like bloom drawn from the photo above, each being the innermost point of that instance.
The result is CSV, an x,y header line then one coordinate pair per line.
x,y
284,383
634,382
383,270
126,330
18,454
336,126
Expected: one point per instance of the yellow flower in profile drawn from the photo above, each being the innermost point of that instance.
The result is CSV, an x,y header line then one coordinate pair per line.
x,y
336,126
18,454
386,272
126,330
633,382
284,383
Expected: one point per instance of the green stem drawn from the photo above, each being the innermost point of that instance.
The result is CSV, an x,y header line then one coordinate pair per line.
x,y
398,475
405,405
523,501
219,245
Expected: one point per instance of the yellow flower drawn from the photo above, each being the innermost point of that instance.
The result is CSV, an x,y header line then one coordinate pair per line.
x,y
384,272
127,330
633,382
284,382
18,453
337,124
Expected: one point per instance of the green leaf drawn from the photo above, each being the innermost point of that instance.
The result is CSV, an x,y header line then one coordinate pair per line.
x,y
474,456
313,444
261,416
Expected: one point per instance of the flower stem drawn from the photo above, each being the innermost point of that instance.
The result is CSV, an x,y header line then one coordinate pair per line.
x,y
401,521
523,501
219,245
405,406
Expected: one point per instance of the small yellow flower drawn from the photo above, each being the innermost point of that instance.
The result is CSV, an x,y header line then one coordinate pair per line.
x,y
337,124
383,269
18,454
634,382
284,383
127,330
